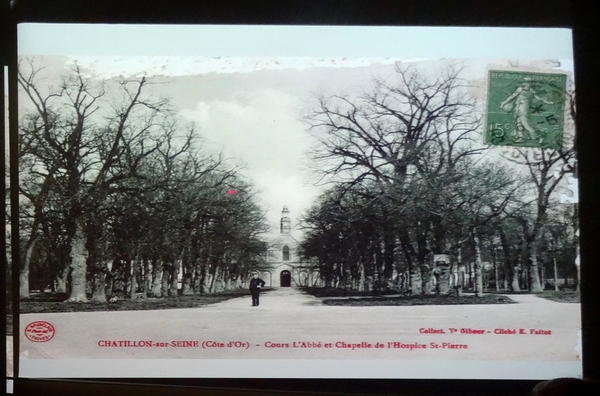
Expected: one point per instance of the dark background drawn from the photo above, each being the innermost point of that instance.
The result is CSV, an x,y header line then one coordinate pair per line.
x,y
507,13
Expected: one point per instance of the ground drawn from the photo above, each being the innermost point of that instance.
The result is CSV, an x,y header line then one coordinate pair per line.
x,y
57,303
292,324
399,300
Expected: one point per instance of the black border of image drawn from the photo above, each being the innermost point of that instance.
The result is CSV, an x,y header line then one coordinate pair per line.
x,y
498,13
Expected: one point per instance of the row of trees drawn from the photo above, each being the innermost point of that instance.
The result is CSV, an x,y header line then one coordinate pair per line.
x,y
410,183
118,197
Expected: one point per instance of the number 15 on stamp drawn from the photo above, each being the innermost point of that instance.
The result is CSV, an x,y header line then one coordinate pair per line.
x,y
525,109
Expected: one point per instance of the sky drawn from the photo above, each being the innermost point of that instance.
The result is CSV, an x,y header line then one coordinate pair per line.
x,y
248,87
252,109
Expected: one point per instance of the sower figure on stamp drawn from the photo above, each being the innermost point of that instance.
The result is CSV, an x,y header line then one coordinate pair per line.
x,y
255,284
522,98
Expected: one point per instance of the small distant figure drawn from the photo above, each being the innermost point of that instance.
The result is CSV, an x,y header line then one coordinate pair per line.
x,y
255,285
565,387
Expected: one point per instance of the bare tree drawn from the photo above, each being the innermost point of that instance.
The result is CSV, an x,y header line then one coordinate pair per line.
x,y
84,141
546,169
412,122
111,176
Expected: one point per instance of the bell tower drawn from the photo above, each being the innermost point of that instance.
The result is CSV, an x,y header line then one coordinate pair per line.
x,y
286,225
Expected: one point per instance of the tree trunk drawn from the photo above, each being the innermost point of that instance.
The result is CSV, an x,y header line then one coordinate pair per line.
x,y
135,272
109,281
378,266
237,284
117,276
148,276
429,284
61,280
388,253
416,281
555,275
443,280
173,287
212,281
187,268
198,275
496,275
361,278
24,283
206,279
226,282
24,274
486,280
219,281
510,267
534,273
157,273
99,283
478,267
460,281
133,282
78,266
515,279
187,286
127,275
164,286
543,275
98,269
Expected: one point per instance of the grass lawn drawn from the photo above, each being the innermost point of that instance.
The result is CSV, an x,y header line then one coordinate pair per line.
x,y
334,292
44,303
565,296
420,300
333,296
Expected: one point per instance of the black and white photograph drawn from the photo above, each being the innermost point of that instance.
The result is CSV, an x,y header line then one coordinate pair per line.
x,y
289,208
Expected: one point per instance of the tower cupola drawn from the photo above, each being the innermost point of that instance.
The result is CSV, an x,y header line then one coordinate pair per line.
x,y
286,225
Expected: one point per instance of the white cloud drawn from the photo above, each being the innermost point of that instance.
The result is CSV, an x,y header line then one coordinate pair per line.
x,y
260,128
113,66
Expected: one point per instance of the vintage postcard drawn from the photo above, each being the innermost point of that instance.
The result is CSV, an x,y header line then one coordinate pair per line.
x,y
297,215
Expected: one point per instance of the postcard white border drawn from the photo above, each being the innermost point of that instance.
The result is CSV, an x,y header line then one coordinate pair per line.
x,y
260,368
329,41
313,41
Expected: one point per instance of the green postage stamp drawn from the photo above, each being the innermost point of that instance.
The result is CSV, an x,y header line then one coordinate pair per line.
x,y
525,109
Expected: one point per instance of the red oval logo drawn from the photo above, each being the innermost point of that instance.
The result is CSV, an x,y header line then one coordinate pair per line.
x,y
39,331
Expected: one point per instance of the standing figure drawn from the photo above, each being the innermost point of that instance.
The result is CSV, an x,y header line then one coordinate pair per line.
x,y
522,100
255,284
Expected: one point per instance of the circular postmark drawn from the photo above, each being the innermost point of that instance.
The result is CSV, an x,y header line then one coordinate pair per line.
x,y
39,331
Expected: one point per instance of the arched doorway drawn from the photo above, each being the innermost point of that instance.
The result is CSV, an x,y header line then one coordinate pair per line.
x,y
285,278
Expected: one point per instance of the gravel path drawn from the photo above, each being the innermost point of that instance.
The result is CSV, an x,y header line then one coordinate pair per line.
x,y
290,324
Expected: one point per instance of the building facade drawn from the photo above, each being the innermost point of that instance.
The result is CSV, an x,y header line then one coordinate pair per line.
x,y
283,267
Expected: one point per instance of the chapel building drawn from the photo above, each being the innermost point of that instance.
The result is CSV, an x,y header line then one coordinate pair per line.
x,y
283,267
